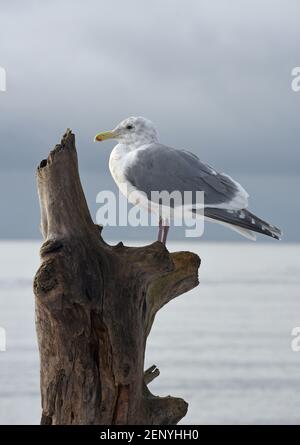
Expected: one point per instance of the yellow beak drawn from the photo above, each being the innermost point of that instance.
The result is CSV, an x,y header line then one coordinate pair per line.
x,y
105,135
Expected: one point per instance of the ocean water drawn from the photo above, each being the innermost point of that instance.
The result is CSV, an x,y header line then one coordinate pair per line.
x,y
225,347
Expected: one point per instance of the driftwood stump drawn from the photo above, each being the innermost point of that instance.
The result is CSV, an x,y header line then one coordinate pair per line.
x,y
95,305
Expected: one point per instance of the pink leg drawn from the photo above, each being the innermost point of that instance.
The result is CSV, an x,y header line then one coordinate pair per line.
x,y
160,230
165,233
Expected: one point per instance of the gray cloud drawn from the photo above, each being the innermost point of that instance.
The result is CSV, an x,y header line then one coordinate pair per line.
x,y
213,75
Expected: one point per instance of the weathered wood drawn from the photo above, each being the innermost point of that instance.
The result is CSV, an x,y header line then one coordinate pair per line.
x,y
95,305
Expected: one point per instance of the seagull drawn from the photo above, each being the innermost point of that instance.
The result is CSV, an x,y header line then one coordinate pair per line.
x,y
140,165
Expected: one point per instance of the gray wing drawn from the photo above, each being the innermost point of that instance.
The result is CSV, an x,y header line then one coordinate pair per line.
x,y
161,168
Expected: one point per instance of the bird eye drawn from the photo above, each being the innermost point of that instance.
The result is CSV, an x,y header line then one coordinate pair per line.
x,y
129,127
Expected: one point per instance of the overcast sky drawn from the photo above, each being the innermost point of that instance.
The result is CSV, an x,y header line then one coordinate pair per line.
x,y
215,77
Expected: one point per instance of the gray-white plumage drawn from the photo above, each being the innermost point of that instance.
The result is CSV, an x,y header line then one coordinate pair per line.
x,y
139,163
159,167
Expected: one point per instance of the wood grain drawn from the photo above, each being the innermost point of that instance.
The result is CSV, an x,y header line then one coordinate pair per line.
x,y
95,305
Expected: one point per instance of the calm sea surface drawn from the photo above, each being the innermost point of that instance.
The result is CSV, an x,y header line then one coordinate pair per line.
x,y
224,347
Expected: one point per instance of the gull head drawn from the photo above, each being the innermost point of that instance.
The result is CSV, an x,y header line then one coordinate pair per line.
x,y
133,131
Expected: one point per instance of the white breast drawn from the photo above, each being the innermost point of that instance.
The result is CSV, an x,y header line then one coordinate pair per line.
x,y
120,157
117,162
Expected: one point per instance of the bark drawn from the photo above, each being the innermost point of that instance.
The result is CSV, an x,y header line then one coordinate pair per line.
x,y
95,305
